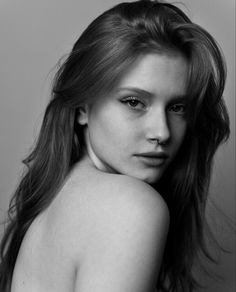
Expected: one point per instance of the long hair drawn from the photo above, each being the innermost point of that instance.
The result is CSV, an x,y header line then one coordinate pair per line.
x,y
99,58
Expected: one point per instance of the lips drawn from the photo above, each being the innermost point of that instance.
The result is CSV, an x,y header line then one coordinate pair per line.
x,y
153,158
153,154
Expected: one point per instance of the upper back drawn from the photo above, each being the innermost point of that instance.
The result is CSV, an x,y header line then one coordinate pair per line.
x,y
91,205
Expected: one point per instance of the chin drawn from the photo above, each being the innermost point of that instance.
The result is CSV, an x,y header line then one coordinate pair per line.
x,y
150,178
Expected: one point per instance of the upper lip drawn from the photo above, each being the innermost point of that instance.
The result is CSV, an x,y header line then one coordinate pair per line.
x,y
153,154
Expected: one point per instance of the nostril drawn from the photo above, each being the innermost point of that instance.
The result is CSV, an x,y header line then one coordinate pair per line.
x,y
158,141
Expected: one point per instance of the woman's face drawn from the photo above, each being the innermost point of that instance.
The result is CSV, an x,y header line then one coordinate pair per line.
x,y
138,128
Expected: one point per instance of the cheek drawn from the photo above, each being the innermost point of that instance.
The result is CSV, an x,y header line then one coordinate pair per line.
x,y
109,130
178,129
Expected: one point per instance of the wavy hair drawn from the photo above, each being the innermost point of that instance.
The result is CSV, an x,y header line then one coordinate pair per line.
x,y
99,58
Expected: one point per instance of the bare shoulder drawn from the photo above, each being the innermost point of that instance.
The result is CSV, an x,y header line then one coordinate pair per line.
x,y
112,229
109,195
131,197
128,190
125,204
127,231
101,198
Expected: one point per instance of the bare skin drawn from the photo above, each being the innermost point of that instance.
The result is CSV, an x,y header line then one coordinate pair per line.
x,y
72,238
106,229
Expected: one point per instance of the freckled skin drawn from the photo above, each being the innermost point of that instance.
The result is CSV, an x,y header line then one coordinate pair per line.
x,y
142,107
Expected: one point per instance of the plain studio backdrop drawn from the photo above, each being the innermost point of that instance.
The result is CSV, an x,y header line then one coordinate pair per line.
x,y
34,35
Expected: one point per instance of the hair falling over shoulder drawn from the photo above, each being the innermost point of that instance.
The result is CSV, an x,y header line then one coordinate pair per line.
x,y
98,59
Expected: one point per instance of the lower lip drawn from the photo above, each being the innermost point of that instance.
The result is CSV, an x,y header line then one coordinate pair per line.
x,y
152,161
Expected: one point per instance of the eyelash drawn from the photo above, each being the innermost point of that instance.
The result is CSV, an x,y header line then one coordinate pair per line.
x,y
137,101
130,99
183,106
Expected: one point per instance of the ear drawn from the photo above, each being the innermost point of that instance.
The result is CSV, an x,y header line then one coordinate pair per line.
x,y
82,117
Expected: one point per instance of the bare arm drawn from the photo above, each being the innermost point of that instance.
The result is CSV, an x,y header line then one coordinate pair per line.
x,y
124,250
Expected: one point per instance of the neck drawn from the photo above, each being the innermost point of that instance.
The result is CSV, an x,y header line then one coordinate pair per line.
x,y
96,161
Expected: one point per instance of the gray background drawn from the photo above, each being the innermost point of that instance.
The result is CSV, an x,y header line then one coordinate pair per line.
x,y
35,34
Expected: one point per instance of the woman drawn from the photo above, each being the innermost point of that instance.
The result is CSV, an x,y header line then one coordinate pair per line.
x,y
115,190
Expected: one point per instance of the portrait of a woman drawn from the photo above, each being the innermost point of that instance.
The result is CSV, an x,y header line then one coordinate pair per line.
x,y
114,191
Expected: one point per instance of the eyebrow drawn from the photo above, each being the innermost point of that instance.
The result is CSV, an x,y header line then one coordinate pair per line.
x,y
137,90
175,98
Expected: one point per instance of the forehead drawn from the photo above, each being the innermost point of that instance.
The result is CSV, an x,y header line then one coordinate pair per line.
x,y
160,74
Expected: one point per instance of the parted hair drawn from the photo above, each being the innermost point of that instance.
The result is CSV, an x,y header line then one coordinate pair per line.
x,y
99,58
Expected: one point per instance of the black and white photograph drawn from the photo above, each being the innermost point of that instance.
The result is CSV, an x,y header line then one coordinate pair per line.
x,y
117,146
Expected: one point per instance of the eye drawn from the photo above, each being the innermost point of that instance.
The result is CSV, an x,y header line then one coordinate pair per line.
x,y
179,109
133,102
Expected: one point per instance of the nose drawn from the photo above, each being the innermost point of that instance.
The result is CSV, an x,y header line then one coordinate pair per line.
x,y
157,127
